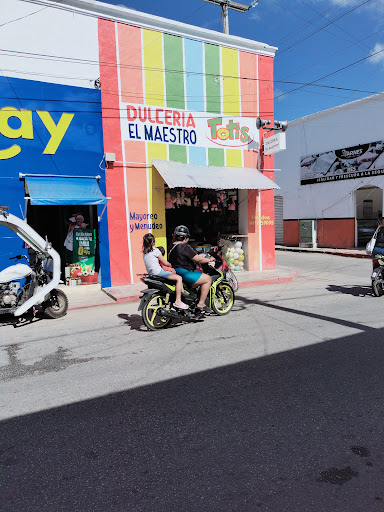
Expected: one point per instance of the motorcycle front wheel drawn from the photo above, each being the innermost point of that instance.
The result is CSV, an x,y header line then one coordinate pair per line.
x,y
57,304
223,300
150,315
378,286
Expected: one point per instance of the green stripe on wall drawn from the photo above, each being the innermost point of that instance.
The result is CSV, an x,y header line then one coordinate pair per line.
x,y
216,157
212,78
173,61
178,154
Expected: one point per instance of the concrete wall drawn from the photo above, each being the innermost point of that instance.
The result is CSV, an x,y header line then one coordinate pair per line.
x,y
352,124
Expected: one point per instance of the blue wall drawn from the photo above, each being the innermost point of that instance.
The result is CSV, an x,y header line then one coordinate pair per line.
x,y
79,152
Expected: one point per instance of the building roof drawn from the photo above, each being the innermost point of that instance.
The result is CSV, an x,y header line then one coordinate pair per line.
x,y
144,20
350,104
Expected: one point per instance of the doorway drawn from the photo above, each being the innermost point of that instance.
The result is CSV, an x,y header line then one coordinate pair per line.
x,y
52,222
369,212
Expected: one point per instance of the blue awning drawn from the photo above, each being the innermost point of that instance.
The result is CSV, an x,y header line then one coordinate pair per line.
x,y
59,190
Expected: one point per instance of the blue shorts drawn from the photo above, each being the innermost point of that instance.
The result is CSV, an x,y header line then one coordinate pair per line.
x,y
189,276
164,273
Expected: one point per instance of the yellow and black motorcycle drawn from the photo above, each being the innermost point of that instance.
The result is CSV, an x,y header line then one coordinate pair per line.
x,y
156,303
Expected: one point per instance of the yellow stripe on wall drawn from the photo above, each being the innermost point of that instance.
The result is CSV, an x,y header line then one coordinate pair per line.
x,y
231,86
156,192
153,61
234,157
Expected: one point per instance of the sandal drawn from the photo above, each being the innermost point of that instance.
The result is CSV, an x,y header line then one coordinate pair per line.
x,y
182,306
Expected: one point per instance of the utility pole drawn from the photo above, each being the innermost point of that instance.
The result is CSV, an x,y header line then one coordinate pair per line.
x,y
228,4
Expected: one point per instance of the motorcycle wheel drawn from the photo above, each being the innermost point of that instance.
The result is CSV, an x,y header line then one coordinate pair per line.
x,y
58,304
149,313
223,300
232,280
378,286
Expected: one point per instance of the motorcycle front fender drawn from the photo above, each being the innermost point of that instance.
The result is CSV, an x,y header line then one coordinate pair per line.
x,y
147,294
377,273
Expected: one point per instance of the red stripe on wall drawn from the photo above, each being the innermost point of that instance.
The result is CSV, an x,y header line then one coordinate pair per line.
x,y
137,200
267,162
248,92
117,222
130,55
248,88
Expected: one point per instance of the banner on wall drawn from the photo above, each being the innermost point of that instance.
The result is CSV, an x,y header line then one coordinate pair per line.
x,y
185,128
84,243
342,164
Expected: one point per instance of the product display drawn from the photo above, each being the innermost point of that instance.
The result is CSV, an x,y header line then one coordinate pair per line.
x,y
233,253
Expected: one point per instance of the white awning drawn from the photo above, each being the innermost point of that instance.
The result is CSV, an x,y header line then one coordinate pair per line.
x,y
176,174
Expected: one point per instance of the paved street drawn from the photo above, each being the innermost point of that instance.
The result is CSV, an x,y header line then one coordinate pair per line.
x,y
276,407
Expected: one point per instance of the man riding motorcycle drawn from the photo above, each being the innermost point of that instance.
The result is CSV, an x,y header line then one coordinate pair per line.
x,y
183,259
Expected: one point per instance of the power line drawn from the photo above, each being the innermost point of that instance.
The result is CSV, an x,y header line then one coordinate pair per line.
x,y
322,28
333,73
308,23
336,53
175,71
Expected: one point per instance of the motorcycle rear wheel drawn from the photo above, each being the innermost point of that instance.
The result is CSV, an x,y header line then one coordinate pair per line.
x,y
150,315
232,280
223,300
58,304
378,286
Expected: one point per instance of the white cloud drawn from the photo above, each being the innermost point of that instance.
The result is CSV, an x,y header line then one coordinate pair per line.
x,y
254,16
379,57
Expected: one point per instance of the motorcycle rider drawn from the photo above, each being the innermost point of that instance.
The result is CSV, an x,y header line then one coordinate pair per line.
x,y
183,259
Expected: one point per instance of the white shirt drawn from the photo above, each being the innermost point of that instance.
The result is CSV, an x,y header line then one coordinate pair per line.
x,y
151,262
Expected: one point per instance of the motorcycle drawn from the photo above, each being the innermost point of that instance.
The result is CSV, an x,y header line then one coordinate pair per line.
x,y
156,304
38,280
377,276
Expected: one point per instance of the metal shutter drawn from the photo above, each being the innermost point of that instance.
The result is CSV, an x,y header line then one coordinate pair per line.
x,y
279,235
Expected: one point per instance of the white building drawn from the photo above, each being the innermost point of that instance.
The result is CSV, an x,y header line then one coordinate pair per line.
x,y
332,174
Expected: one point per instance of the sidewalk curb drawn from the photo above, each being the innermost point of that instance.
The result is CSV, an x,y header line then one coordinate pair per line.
x,y
334,252
273,280
247,284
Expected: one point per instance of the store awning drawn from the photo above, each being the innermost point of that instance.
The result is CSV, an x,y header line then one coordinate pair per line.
x,y
176,174
60,190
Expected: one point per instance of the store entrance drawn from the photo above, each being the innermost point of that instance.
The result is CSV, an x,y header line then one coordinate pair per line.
x,y
53,222
369,212
206,213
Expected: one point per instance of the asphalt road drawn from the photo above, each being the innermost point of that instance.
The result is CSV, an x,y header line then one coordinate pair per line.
x,y
276,407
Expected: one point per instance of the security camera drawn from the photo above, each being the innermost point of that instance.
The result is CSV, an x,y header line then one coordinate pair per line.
x,y
261,123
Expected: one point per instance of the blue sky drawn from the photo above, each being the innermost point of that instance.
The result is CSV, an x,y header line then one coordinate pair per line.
x,y
315,38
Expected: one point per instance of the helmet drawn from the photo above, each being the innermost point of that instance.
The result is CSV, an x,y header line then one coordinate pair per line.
x,y
181,232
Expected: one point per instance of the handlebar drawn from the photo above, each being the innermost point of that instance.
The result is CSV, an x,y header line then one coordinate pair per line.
x,y
19,257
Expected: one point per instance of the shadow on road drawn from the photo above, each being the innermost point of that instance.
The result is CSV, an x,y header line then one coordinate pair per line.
x,y
356,290
297,431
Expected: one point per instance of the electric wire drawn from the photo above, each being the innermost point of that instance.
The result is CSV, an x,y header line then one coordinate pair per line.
x,y
322,28
333,73
164,70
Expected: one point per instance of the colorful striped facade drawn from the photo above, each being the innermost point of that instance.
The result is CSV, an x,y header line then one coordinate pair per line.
x,y
141,66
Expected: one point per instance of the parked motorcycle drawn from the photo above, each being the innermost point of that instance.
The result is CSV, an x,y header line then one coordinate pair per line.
x,y
156,303
377,277
22,287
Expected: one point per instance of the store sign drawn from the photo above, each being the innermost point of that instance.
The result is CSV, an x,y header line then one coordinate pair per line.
x,y
180,127
275,143
342,164
24,130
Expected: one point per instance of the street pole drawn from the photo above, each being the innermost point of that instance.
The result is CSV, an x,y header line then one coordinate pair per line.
x,y
224,8
228,4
